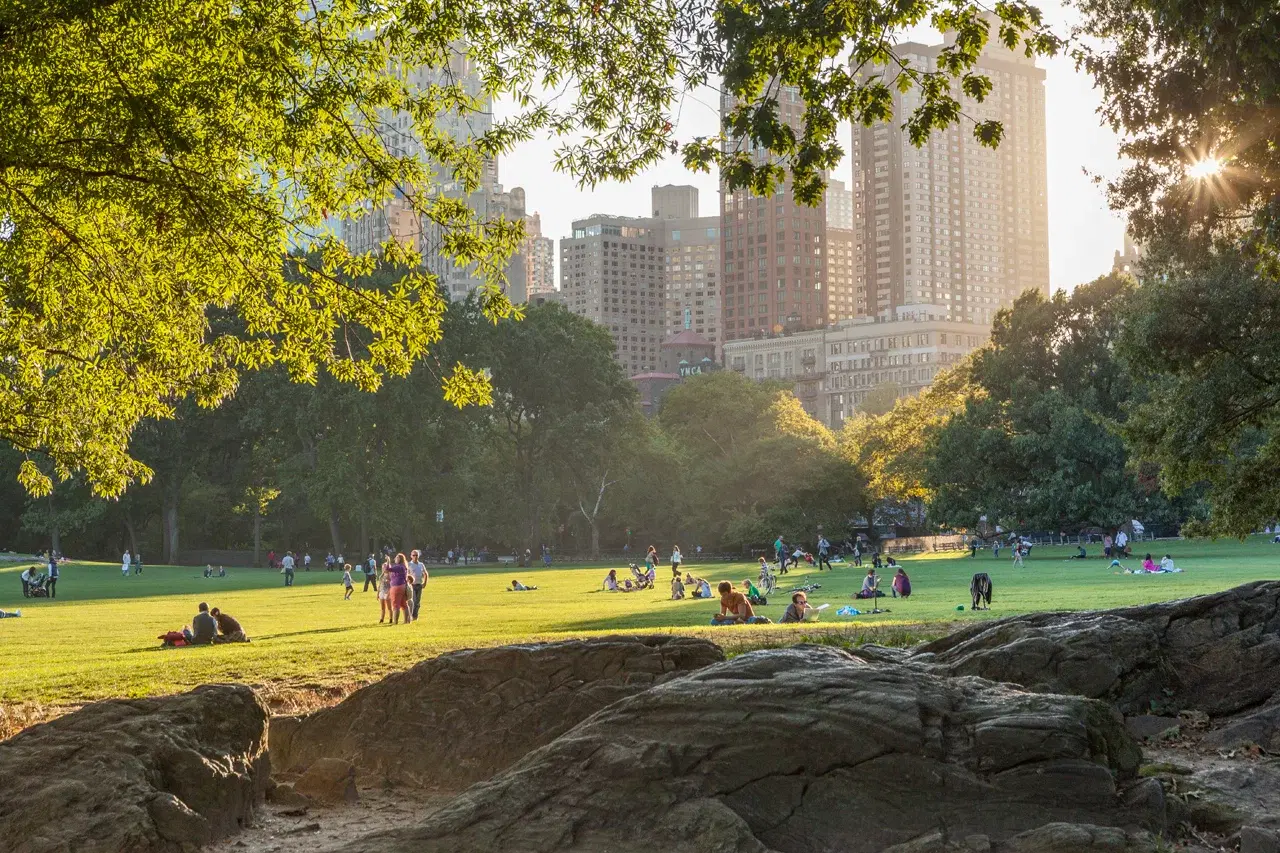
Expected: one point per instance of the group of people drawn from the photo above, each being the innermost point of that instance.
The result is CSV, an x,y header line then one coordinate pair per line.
x,y
899,587
207,627
1149,566
130,563
400,584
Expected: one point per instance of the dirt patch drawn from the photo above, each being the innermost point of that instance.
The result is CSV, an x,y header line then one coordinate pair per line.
x,y
277,829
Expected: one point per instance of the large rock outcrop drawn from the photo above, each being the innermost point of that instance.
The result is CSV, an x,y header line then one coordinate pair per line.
x,y
1215,653
799,750
465,716
142,775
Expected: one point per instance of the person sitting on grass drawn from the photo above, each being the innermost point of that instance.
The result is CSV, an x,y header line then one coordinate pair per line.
x,y
203,628
798,610
611,581
870,586
752,593
1166,564
229,630
1080,553
677,588
701,587
901,584
734,608
516,586
1149,565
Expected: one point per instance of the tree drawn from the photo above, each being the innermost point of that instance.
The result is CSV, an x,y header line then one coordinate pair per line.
x,y
1036,444
1207,341
880,399
155,160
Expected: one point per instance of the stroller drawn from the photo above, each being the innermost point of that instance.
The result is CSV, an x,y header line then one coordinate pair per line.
x,y
38,588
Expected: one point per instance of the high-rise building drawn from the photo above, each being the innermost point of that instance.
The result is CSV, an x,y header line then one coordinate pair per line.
x,y
612,271
488,201
773,250
954,226
691,282
1130,259
539,258
645,278
844,298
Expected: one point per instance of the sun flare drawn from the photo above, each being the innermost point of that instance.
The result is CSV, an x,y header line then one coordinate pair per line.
x,y
1206,168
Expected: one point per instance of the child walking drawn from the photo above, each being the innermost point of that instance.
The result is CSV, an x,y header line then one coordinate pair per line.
x,y
346,582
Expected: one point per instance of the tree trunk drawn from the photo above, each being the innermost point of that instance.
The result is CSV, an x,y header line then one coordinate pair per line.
x,y
595,540
169,521
55,539
257,535
132,531
334,532
364,535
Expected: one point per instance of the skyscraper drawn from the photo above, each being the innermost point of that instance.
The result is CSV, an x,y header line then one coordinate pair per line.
x,y
488,201
645,278
772,250
955,228
539,258
611,271
691,281
844,298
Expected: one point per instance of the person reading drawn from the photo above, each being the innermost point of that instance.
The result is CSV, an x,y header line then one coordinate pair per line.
x,y
799,610
870,586
734,607
229,630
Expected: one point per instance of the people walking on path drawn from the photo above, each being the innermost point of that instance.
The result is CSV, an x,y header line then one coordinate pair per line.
x,y
420,576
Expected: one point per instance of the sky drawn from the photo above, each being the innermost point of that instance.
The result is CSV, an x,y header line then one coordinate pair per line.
x,y
1083,232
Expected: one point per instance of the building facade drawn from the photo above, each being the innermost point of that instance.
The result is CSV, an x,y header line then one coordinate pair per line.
x,y
539,254
773,250
954,224
833,369
612,271
645,278
691,285
1130,259
488,201
845,297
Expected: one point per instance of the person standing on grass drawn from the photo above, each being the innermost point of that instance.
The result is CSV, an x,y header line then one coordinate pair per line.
x,y
676,559
384,594
995,547
306,562
286,566
418,571
346,582
370,574
780,548
399,574
125,562
52,583
1017,556
824,553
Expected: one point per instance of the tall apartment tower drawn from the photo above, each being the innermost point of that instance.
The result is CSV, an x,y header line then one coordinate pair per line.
x,y
611,271
844,298
489,201
954,228
773,251
539,258
645,278
691,279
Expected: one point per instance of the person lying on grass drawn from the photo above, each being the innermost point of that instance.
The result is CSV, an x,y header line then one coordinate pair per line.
x,y
734,608
229,630
516,586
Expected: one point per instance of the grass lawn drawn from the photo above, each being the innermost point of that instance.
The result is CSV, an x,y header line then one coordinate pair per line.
x,y
98,638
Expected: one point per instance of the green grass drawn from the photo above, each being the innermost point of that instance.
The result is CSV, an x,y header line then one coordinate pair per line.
x,y
98,638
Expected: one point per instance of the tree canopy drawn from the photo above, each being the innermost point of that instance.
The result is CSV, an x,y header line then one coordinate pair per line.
x,y
158,160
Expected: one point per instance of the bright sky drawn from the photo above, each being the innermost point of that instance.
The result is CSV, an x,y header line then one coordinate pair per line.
x,y
1083,233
